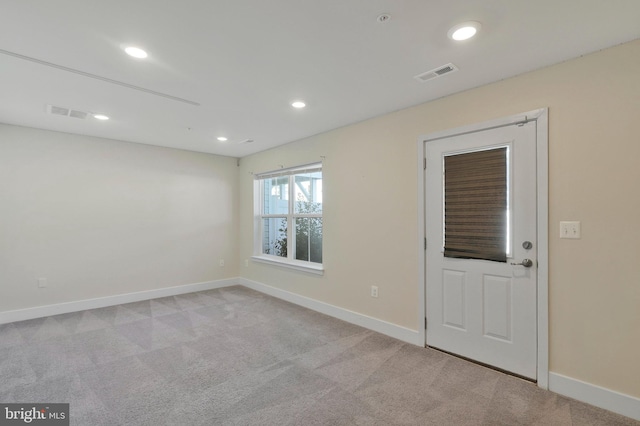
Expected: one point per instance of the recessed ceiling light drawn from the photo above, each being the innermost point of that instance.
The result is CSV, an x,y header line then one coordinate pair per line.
x,y
222,139
464,31
298,104
100,116
136,52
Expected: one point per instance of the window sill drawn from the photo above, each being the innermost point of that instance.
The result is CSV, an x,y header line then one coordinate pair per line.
x,y
309,267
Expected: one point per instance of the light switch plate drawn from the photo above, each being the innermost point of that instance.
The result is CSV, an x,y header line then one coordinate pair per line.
x,y
570,229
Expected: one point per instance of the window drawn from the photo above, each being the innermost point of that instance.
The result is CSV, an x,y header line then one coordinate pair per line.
x,y
476,205
290,216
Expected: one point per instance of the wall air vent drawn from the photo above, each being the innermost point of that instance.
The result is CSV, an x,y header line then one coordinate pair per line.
x,y
67,112
435,73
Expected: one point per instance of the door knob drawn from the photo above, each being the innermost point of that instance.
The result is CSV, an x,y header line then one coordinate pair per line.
x,y
527,263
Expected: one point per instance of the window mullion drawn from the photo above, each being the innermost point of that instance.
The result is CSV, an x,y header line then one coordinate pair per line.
x,y
290,222
260,222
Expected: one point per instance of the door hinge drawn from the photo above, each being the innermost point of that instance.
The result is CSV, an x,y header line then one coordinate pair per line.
x,y
424,163
425,323
425,243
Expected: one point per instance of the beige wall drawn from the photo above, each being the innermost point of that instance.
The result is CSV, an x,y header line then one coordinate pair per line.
x,y
99,217
370,184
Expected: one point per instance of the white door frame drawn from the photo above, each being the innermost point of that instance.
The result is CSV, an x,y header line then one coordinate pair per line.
x,y
540,116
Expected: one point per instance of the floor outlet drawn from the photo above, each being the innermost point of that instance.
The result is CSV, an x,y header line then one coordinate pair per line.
x,y
374,291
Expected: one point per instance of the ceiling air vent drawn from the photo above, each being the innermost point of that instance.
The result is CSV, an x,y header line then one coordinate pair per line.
x,y
77,114
67,112
435,73
57,110
246,141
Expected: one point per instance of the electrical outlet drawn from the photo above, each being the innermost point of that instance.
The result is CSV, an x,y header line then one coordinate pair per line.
x,y
246,262
221,262
570,230
374,291
42,282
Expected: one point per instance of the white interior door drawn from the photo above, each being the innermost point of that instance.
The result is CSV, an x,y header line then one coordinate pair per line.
x,y
485,310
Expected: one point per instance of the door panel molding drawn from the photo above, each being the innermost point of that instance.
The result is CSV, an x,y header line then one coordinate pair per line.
x,y
540,117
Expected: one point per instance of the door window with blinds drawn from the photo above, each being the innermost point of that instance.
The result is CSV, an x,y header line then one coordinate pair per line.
x,y
290,228
476,205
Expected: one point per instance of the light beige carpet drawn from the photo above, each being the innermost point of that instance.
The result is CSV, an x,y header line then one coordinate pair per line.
x,y
234,356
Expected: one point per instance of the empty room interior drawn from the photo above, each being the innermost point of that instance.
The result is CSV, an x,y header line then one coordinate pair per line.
x,y
250,212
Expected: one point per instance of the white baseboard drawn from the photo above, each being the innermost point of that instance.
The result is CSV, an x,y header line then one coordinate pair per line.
x,y
595,395
101,302
387,328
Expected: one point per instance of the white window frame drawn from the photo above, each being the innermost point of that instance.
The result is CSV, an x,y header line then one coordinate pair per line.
x,y
291,216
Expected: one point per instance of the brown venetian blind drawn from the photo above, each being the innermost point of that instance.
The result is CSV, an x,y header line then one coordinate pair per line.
x,y
475,205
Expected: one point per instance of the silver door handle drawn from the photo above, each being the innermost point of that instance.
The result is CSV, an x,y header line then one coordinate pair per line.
x,y
527,263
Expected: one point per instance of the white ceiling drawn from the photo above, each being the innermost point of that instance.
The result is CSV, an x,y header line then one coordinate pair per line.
x,y
242,62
